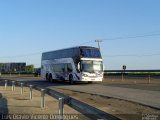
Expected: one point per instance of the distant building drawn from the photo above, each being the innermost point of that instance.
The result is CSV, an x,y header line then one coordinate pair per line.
x,y
12,67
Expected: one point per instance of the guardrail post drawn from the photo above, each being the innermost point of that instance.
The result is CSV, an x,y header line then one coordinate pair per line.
x,y
135,82
30,92
42,98
13,85
21,88
5,85
61,108
149,79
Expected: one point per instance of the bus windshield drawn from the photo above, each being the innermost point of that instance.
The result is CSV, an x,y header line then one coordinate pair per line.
x,y
91,66
90,53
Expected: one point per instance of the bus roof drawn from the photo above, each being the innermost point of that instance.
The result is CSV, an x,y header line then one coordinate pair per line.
x,y
73,52
89,47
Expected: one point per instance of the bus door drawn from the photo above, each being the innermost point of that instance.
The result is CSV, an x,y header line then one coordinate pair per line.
x,y
65,72
68,70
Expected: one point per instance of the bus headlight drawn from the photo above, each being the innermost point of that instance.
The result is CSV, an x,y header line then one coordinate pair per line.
x,y
85,75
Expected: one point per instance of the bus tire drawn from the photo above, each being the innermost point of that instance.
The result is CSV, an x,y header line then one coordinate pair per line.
x,y
47,77
71,79
50,78
90,82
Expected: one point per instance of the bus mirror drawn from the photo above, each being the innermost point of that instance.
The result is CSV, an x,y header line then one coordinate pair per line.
x,y
78,67
103,67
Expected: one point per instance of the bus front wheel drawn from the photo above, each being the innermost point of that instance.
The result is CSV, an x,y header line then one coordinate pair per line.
x,y
71,80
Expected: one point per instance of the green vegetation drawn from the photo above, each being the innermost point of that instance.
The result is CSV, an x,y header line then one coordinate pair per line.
x,y
29,69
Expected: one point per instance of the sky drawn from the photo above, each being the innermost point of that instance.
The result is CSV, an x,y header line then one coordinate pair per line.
x,y
129,30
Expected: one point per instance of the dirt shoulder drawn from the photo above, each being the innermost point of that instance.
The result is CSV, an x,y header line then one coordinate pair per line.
x,y
120,108
17,106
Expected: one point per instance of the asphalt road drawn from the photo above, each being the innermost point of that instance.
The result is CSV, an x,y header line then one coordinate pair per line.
x,y
145,97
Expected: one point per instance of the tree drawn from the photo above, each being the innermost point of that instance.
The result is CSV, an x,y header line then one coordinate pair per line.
x,y
30,68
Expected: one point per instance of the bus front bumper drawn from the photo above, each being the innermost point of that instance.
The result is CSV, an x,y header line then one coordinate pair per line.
x,y
96,79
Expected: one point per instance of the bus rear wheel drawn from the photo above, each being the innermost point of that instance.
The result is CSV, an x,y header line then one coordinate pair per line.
x,y
50,78
47,78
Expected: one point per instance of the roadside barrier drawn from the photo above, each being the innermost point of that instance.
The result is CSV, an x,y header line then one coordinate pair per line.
x,y
13,85
149,79
135,82
130,79
85,109
30,92
5,84
61,108
42,98
22,89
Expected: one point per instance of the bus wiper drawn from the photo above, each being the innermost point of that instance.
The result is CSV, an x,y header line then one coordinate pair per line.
x,y
91,71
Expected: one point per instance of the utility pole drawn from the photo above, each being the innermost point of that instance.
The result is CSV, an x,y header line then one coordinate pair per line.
x,y
98,41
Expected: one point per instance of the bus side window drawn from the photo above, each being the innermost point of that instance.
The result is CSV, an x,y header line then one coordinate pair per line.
x,y
65,67
69,67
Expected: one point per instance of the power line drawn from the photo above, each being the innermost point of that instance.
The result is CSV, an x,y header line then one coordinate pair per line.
x,y
131,37
24,55
126,37
98,41
92,41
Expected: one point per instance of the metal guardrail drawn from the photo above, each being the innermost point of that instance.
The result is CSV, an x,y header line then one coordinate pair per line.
x,y
85,109
120,71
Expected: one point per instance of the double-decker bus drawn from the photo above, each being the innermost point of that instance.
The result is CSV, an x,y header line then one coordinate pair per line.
x,y
82,63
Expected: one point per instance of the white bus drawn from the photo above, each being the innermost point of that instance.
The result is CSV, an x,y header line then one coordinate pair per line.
x,y
82,63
